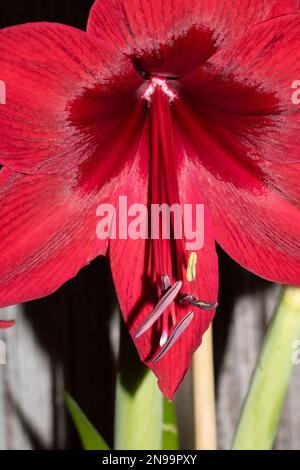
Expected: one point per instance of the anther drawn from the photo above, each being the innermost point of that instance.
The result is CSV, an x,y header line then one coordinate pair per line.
x,y
191,269
192,300
160,308
175,335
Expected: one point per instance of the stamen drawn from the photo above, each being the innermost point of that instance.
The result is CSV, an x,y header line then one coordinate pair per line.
x,y
165,285
192,300
160,308
177,332
4,324
191,269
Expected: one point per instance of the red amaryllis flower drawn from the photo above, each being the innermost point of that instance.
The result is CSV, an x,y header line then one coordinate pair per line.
x,y
164,101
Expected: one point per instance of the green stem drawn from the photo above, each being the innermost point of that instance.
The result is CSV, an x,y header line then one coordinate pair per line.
x,y
139,403
263,406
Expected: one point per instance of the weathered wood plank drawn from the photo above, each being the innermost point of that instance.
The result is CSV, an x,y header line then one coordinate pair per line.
x,y
59,343
26,381
64,342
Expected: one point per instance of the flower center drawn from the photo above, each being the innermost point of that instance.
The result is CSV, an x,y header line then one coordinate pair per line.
x,y
156,82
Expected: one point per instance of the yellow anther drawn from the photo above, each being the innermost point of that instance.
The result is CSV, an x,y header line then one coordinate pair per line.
x,y
191,269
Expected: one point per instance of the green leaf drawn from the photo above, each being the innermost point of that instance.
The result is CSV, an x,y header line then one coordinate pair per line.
x,y
263,406
170,430
139,403
90,438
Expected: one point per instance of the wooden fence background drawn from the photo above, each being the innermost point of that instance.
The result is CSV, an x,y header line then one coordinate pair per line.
x,y
66,341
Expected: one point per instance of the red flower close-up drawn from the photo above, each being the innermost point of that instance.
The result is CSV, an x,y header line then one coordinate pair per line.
x,y
164,102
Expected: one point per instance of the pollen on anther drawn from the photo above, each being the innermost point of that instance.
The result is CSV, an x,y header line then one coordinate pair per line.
x,y
191,269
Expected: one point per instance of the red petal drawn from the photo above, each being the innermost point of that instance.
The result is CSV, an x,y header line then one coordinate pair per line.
x,y
283,7
247,89
285,179
67,95
5,324
165,34
131,264
260,231
255,210
47,233
49,222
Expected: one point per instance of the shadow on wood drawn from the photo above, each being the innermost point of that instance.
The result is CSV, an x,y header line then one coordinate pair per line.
x,y
72,325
